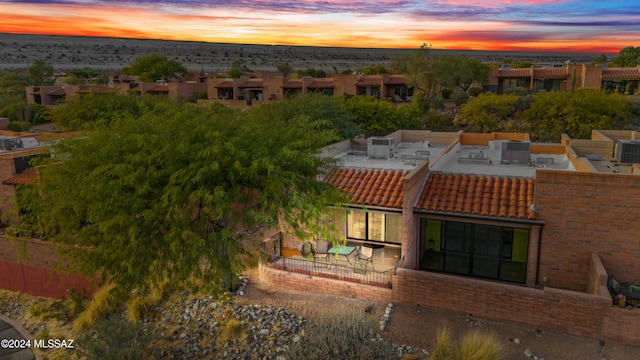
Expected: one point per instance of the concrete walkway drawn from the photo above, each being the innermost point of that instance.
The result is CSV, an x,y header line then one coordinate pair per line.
x,y
9,330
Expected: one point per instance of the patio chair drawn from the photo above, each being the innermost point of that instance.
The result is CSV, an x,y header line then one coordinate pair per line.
x,y
322,246
364,257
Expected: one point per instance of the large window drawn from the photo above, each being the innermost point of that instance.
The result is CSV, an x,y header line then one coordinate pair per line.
x,y
374,226
485,251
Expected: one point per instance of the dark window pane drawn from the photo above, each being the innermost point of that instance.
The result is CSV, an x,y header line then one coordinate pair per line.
x,y
513,271
486,267
456,263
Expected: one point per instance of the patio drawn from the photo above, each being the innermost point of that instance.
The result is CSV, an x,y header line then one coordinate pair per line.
x,y
342,267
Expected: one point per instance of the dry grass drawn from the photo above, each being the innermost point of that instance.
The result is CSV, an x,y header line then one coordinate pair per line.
x,y
139,305
232,331
445,348
102,304
480,345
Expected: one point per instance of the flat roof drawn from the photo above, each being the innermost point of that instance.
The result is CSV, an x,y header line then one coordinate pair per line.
x,y
486,160
406,156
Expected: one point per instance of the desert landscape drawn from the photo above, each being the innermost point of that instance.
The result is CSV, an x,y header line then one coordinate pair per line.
x,y
18,51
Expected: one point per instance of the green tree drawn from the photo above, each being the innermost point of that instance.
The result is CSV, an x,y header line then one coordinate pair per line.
x,y
285,68
166,194
152,67
378,118
317,107
488,112
375,70
12,85
314,73
22,111
602,59
419,71
41,74
460,72
90,110
627,57
576,114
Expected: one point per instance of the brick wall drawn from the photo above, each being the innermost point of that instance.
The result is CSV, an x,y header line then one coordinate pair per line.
x,y
587,213
547,309
411,186
322,285
31,266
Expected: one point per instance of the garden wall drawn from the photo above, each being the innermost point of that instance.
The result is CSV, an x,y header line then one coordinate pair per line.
x,y
30,266
322,285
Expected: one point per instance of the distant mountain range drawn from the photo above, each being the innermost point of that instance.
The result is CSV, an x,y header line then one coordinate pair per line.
x,y
19,51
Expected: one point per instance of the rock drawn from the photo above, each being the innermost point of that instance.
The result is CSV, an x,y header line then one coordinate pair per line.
x,y
528,353
516,340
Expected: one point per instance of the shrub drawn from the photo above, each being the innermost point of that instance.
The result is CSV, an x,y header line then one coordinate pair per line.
x,y
437,102
103,304
445,348
115,338
232,331
446,93
139,305
342,334
479,345
19,126
459,97
474,91
517,90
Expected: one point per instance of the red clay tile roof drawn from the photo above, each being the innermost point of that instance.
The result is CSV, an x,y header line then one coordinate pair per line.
x,y
56,92
370,187
159,88
251,84
514,73
550,73
396,80
369,81
29,177
225,84
292,84
322,84
478,195
621,73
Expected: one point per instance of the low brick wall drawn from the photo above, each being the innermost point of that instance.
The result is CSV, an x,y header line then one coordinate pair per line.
x,y
38,281
31,266
546,309
322,285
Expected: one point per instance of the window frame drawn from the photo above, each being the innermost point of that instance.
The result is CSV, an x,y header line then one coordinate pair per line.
x,y
368,228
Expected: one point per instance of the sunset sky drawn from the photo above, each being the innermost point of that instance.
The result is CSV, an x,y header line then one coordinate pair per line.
x,y
592,26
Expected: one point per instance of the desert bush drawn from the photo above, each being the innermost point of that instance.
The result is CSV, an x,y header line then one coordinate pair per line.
x,y
437,102
446,93
232,330
445,348
117,339
459,97
102,304
18,126
139,304
474,91
342,334
480,345
517,90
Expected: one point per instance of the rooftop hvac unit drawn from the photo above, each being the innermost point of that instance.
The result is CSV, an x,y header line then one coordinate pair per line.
x,y
10,143
628,151
515,152
505,67
380,147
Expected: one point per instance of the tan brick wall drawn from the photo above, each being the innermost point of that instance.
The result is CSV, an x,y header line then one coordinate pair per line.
x,y
546,309
322,285
411,186
587,213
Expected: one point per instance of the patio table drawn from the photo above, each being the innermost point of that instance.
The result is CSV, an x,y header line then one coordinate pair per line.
x,y
342,250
